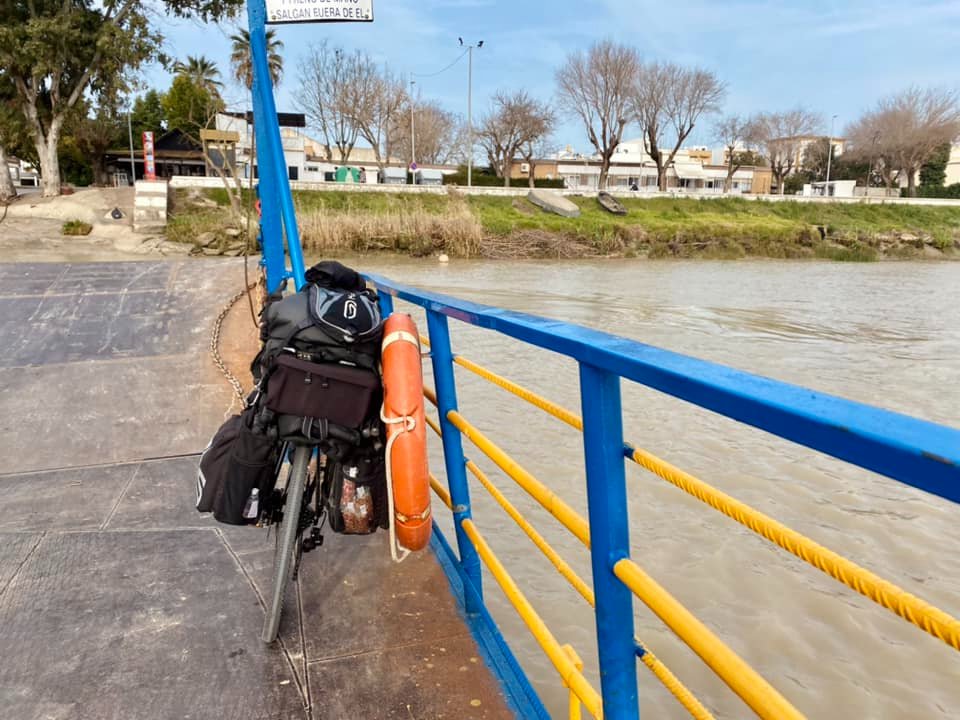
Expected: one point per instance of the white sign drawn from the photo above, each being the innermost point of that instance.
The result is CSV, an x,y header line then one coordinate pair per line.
x,y
318,11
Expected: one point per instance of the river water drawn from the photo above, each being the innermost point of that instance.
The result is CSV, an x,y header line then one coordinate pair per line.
x,y
886,334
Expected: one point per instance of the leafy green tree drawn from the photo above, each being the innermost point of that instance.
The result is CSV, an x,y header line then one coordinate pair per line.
x,y
11,128
241,58
190,107
58,52
933,173
795,182
75,166
96,133
148,114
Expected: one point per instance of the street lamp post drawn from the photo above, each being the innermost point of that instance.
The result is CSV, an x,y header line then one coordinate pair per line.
x,y
826,188
873,151
133,167
470,109
413,132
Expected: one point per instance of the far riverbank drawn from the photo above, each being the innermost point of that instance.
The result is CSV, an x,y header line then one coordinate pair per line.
x,y
509,227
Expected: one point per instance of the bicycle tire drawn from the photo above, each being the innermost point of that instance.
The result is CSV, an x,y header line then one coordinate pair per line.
x,y
287,540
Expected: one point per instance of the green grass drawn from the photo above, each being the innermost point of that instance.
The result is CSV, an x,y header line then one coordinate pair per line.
x,y
654,227
76,227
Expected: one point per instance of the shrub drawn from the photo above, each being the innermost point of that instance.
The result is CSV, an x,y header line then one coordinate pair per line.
x,y
77,227
948,191
483,177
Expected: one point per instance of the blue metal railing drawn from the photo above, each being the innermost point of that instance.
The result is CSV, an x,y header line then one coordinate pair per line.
x,y
915,452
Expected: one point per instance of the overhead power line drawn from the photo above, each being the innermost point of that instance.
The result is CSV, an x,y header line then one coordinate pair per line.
x,y
440,72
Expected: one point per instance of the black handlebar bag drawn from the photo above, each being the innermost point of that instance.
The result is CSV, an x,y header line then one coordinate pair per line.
x,y
341,394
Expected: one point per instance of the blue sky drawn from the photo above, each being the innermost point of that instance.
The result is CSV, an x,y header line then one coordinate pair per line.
x,y
834,57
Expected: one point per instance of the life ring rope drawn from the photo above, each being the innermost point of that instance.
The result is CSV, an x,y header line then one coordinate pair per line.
x,y
409,423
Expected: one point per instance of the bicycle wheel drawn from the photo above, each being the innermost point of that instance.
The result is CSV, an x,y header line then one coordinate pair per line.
x,y
288,537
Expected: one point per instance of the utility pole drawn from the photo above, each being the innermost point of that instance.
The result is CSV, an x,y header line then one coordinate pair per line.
x,y
826,188
413,130
470,117
470,109
133,168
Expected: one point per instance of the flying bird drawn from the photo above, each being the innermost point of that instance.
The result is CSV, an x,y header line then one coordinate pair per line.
x,y
480,44
461,41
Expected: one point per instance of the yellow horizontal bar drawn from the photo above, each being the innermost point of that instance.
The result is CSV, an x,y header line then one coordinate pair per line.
x,y
441,491
574,700
569,674
558,562
738,675
661,671
531,397
672,683
434,425
537,490
883,592
927,617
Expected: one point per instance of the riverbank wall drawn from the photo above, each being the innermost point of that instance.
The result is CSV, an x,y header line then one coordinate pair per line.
x,y
503,226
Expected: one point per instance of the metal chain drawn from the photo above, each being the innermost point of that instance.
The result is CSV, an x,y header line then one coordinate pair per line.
x,y
215,344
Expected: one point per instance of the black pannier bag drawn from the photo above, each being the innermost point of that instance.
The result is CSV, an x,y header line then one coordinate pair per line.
x,y
242,456
354,492
212,471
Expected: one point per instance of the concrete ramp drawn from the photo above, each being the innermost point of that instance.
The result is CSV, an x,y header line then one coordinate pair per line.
x,y
554,202
117,599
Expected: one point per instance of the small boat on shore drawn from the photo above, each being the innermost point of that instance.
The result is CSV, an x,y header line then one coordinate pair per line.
x,y
609,203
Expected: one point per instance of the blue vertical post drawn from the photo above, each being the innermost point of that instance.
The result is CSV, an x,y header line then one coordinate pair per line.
x,y
271,225
275,185
386,303
453,458
609,540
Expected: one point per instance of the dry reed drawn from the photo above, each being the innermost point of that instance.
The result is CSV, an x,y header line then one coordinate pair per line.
x,y
456,231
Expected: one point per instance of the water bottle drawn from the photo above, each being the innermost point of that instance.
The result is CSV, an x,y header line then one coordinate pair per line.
x,y
252,509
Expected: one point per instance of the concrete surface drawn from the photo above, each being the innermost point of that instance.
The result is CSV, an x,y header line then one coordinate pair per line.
x,y
151,203
117,599
554,202
31,229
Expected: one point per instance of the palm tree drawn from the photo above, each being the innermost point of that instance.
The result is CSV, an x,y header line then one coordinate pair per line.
x,y
242,61
202,72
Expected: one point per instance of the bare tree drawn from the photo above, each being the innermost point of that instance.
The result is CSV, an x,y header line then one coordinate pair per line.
x,y
597,88
440,135
325,77
534,150
783,137
513,121
905,129
669,98
737,134
863,143
373,100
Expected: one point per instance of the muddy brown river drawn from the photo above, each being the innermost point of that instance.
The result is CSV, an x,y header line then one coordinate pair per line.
x,y
886,334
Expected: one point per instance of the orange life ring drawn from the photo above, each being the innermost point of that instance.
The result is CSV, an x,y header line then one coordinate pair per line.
x,y
407,474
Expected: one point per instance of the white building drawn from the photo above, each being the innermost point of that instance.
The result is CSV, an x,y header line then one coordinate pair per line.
x,y
953,165
632,168
306,158
23,173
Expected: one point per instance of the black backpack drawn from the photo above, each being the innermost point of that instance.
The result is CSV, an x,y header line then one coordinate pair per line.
x,y
322,325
